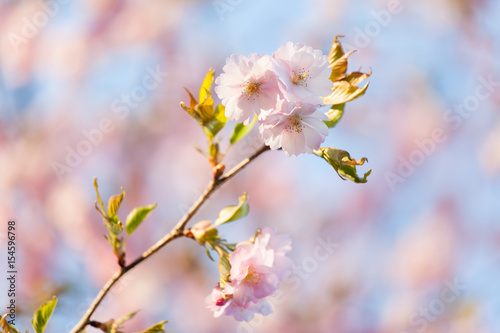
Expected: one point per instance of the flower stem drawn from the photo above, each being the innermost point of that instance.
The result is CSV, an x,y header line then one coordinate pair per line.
x,y
176,232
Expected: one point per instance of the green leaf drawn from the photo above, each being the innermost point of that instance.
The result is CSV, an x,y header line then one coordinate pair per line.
x,y
192,100
206,109
220,114
158,328
42,315
191,108
99,198
232,213
342,162
344,92
114,203
240,131
207,84
212,120
114,225
208,254
136,217
334,114
217,122
116,325
224,266
213,150
191,112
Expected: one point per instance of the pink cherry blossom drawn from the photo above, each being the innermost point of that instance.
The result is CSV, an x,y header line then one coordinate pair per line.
x,y
295,127
247,312
280,244
247,86
257,268
221,303
252,274
217,301
304,73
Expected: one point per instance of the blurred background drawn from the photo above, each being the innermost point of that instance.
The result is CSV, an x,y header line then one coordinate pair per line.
x,y
92,88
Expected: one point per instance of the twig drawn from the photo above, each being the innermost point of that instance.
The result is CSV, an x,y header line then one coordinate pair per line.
x,y
176,232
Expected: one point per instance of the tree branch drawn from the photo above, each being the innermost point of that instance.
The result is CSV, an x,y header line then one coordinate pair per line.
x,y
176,232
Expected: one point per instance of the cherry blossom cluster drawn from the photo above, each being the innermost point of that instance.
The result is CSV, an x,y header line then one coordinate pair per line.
x,y
284,91
257,268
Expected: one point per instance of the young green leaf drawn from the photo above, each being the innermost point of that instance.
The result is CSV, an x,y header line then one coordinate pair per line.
x,y
114,225
211,119
213,151
206,109
240,131
99,197
114,203
220,113
136,217
42,315
191,108
191,112
334,114
232,213
158,328
208,254
214,120
217,122
116,324
224,266
342,162
192,100
207,84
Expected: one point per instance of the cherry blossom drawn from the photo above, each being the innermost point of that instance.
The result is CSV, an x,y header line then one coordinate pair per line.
x,y
217,301
295,127
257,268
247,86
221,303
304,73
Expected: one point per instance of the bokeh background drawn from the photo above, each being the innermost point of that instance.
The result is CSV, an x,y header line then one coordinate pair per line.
x,y
416,249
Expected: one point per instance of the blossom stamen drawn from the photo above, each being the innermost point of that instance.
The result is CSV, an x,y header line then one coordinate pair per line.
x,y
251,89
294,125
300,77
253,278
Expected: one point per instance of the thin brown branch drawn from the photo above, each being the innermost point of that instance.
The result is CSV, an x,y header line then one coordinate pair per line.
x,y
176,232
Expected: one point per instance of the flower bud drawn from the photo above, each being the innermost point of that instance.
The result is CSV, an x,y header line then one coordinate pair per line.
x,y
203,232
